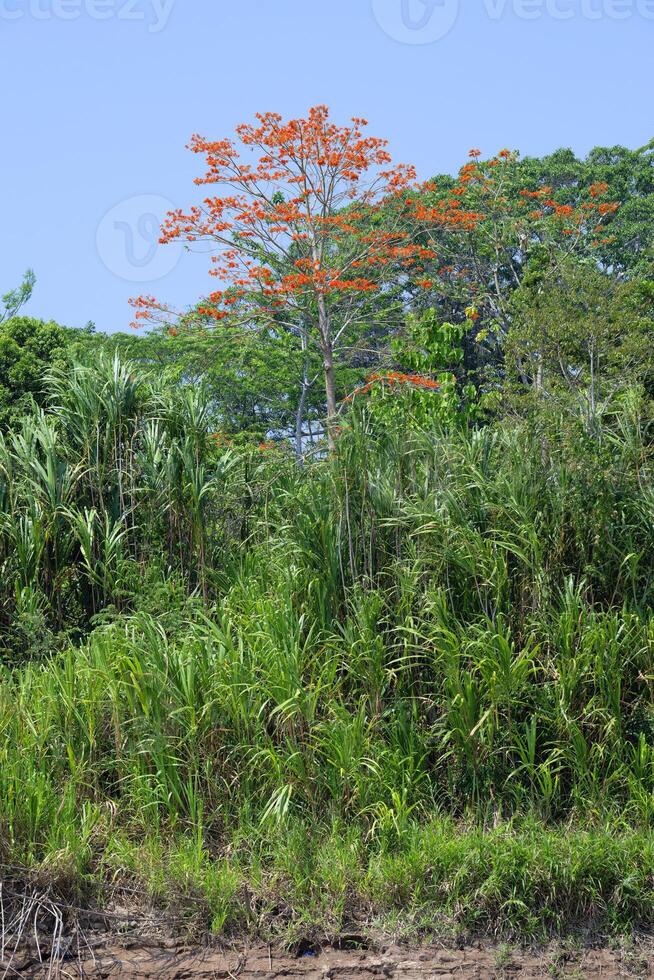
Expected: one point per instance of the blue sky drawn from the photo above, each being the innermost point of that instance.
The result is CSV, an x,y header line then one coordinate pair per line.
x,y
99,98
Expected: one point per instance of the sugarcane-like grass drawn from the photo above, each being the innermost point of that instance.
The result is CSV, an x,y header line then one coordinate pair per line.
x,y
408,686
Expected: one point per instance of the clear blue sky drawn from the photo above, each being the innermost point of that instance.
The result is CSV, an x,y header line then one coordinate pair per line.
x,y
99,98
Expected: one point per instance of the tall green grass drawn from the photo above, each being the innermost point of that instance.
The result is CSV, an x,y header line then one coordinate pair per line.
x,y
415,678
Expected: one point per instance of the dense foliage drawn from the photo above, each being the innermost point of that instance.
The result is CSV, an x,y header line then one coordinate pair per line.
x,y
448,622
322,247
406,677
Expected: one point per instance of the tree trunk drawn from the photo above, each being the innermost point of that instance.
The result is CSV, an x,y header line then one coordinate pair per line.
x,y
328,366
330,392
299,415
538,379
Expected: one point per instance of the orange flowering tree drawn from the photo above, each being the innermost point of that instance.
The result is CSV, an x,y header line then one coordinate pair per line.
x,y
293,224
487,225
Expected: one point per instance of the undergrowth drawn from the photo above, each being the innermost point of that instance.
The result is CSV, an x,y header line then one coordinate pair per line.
x,y
409,687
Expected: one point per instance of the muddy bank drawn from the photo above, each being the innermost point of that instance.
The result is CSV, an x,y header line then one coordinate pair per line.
x,y
481,962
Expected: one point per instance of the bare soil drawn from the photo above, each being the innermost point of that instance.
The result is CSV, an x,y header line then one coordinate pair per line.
x,y
169,961
42,937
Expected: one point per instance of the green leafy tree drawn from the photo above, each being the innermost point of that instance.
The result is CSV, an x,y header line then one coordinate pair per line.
x,y
12,301
579,338
29,348
430,388
259,382
600,207
485,227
